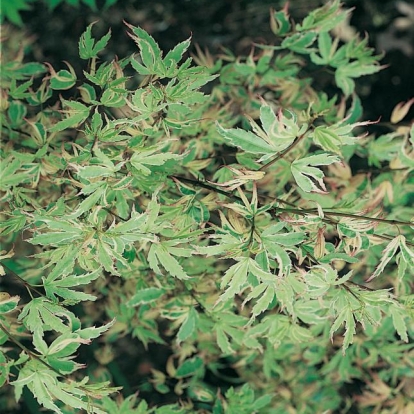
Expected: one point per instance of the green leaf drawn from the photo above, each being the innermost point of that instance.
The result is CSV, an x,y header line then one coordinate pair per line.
x,y
89,202
234,278
46,387
62,80
345,316
309,178
8,303
223,341
4,369
280,22
189,367
273,234
174,56
16,112
150,53
245,140
63,287
76,114
398,318
146,295
14,223
266,298
87,47
188,327
11,11
151,156
324,18
300,42
60,232
159,253
387,254
40,315
279,131
327,139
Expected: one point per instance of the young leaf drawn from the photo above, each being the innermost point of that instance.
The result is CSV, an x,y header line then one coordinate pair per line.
x,y
87,47
150,53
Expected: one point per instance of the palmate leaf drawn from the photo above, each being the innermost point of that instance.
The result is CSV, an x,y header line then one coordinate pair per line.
x,y
143,159
14,223
14,172
152,57
387,254
245,140
235,278
163,253
150,53
275,242
333,137
60,352
344,75
324,18
40,315
279,131
48,389
345,316
228,328
307,176
76,113
63,287
188,327
88,48
11,10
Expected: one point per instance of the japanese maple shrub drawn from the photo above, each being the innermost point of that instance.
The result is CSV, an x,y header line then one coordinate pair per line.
x,y
227,226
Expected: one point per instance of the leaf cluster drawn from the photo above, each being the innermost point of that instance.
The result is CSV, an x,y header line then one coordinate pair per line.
x,y
224,226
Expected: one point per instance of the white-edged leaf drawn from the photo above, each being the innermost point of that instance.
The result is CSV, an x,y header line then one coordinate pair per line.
x,y
307,176
387,254
245,140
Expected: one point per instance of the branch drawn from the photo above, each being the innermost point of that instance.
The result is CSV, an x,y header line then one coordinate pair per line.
x,y
27,350
284,152
27,284
302,212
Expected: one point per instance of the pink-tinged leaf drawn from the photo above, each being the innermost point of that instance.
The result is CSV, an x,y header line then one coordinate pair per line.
x,y
401,110
387,255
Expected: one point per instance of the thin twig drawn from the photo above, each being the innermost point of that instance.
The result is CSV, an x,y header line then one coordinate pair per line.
x,y
27,284
28,351
284,152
